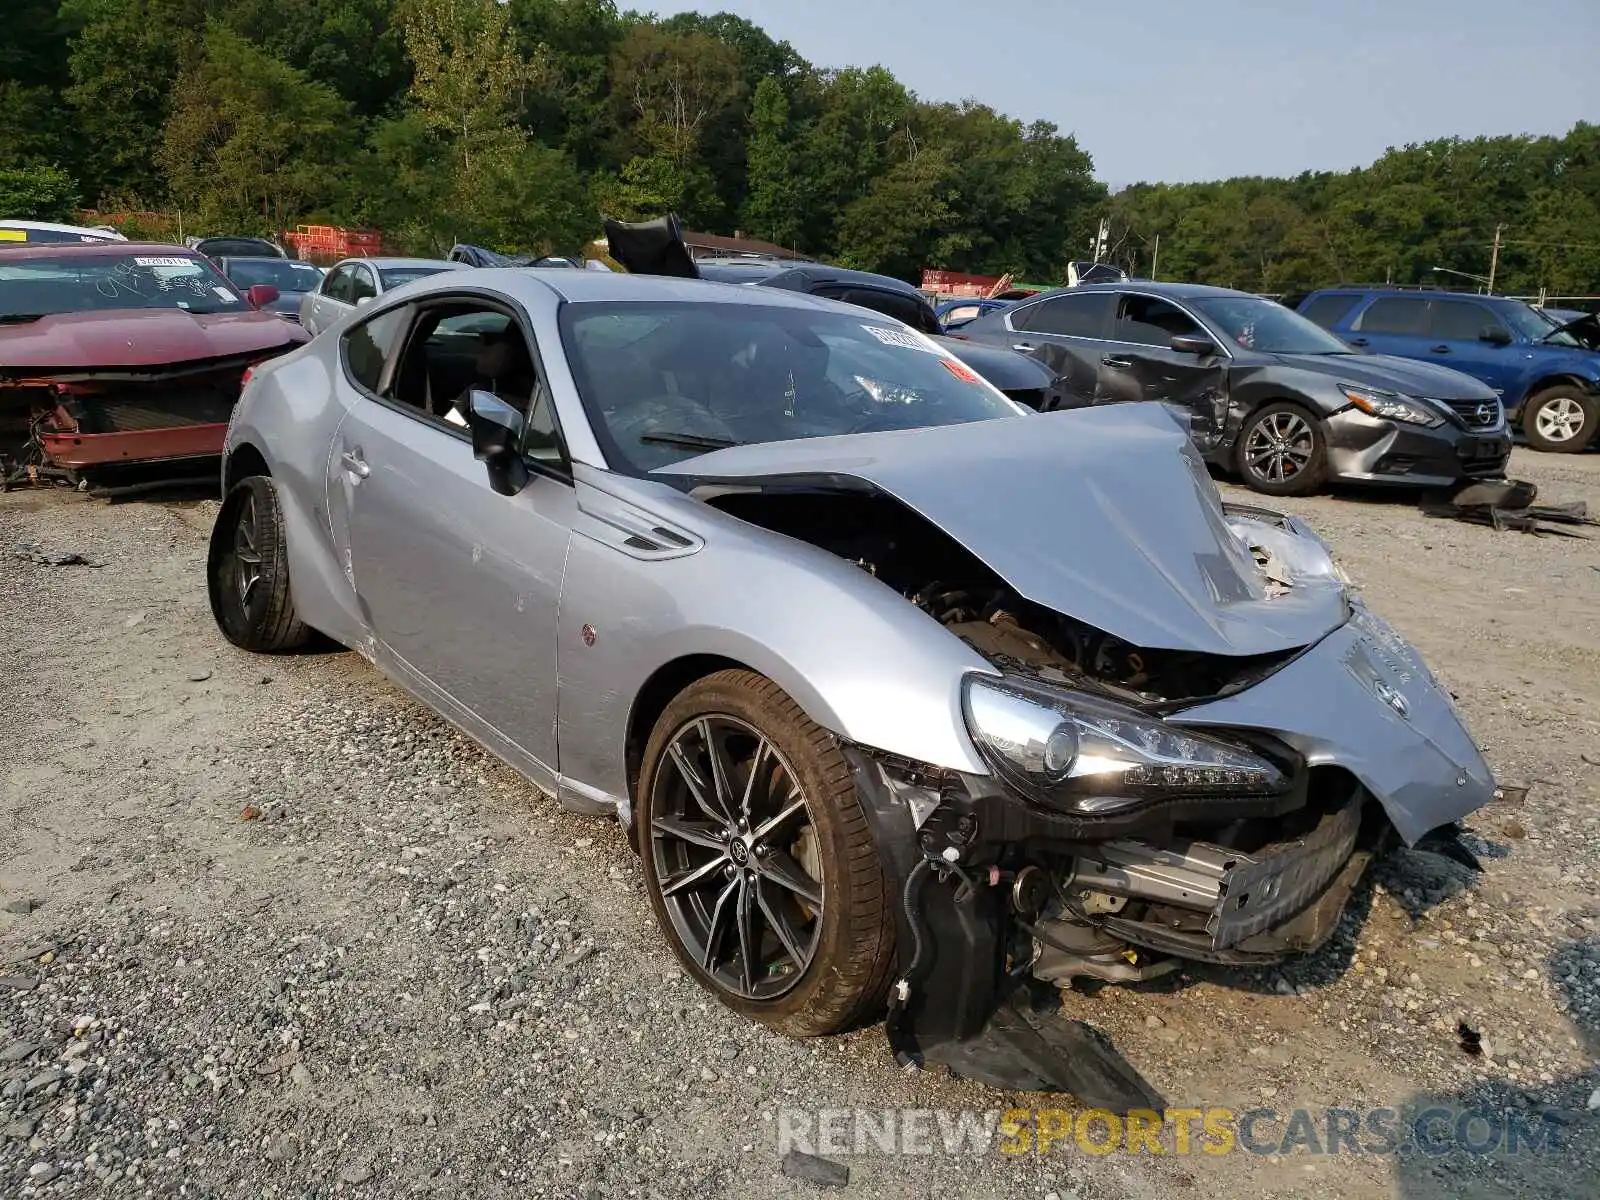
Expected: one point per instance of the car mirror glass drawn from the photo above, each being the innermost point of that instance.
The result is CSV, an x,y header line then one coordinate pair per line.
x,y
497,432
1193,343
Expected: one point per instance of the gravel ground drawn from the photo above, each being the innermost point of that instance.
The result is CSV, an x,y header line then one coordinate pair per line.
x,y
267,929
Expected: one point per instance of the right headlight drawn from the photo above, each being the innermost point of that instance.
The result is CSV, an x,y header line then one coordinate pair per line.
x,y
1391,405
1081,753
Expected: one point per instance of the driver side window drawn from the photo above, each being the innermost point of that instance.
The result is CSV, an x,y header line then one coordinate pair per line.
x,y
457,348
1150,321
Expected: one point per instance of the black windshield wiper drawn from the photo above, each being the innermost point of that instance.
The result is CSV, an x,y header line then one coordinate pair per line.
x,y
19,318
688,441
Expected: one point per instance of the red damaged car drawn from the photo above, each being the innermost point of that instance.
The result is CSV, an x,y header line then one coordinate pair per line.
x,y
120,353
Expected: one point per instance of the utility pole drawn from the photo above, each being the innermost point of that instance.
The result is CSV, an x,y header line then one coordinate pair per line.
x,y
1494,256
1155,254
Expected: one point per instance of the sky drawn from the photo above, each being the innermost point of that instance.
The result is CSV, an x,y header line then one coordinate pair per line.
x,y
1180,90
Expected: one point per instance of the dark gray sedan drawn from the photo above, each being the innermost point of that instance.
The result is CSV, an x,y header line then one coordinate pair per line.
x,y
1266,393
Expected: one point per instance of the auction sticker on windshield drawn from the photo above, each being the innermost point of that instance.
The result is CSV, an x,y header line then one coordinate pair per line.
x,y
165,262
901,337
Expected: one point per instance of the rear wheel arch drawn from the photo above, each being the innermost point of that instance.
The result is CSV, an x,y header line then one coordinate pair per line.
x,y
243,461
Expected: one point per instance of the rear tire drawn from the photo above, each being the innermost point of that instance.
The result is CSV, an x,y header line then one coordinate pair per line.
x,y
1282,450
1560,419
716,852
247,572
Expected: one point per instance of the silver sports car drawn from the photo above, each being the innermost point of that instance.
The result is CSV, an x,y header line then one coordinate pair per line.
x,y
906,695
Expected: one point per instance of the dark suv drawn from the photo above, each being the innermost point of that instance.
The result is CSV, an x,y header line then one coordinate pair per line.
x,y
1265,391
1547,377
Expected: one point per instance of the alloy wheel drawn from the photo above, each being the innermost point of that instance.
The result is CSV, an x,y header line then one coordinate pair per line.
x,y
246,551
1560,419
1279,446
737,857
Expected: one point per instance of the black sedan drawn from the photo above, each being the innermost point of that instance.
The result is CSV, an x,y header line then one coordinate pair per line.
x,y
1266,392
292,279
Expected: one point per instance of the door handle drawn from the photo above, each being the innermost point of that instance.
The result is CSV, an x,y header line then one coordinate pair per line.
x,y
1439,349
1358,341
354,464
1122,364
1023,346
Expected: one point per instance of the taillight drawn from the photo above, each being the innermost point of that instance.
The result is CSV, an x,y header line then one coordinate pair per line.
x,y
245,378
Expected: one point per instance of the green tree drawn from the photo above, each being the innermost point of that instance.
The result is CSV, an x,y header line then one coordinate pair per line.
x,y
354,47
773,204
252,143
474,175
124,59
38,193
668,90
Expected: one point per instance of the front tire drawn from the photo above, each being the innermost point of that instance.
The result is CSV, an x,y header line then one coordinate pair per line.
x,y
1282,451
1560,419
247,572
758,860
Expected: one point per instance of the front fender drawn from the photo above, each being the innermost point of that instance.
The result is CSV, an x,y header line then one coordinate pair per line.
x,y
858,658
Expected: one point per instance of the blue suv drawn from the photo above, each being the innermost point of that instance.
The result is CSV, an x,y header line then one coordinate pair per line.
x,y
1547,375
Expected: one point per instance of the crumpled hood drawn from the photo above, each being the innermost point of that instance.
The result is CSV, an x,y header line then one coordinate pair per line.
x,y
140,337
1389,373
1104,514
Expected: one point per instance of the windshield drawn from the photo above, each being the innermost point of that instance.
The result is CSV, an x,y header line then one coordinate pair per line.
x,y
88,283
282,274
394,277
663,382
1269,327
1530,325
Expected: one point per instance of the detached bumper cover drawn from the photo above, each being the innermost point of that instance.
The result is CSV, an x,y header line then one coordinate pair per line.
x,y
1367,449
1362,699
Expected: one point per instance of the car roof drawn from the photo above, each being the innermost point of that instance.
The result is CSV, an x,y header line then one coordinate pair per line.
x,y
1173,291
384,264
55,227
99,250
599,287
1413,293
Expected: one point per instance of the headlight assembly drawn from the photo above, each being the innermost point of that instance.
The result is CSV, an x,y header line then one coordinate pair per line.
x,y
1077,752
1391,406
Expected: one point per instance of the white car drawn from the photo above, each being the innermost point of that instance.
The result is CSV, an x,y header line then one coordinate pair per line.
x,y
354,281
34,233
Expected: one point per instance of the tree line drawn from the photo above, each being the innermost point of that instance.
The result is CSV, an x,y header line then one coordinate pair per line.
x,y
514,124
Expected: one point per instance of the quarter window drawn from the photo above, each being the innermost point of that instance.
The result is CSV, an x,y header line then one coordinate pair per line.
x,y
1067,316
1151,321
1328,311
367,347
1403,315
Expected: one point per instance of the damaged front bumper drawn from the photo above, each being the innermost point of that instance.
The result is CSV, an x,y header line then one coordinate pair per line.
x,y
1367,449
998,891
86,421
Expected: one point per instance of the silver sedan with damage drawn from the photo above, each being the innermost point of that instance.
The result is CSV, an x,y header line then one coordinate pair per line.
x,y
908,697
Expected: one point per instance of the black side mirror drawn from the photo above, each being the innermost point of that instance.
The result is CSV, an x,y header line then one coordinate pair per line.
x,y
1193,343
1495,335
497,431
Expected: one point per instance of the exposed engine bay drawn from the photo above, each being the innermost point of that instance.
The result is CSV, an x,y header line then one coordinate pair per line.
x,y
945,580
